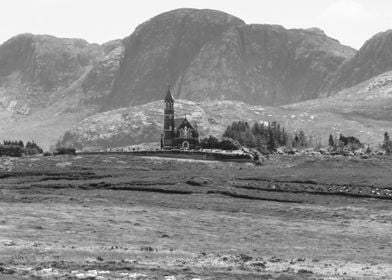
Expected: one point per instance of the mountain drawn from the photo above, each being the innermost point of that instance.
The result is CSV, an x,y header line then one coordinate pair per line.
x,y
263,64
211,55
99,81
362,111
35,70
161,49
372,59
51,85
40,79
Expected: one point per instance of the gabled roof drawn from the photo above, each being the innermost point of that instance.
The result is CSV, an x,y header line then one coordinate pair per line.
x,y
169,96
178,123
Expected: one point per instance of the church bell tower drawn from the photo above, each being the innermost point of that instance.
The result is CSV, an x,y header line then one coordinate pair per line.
x,y
168,122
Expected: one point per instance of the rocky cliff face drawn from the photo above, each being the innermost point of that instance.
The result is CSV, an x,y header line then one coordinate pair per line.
x,y
262,64
40,85
374,58
212,55
48,84
160,50
99,81
37,70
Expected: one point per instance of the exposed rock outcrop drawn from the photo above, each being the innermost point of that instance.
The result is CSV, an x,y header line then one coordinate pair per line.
x,y
212,55
374,58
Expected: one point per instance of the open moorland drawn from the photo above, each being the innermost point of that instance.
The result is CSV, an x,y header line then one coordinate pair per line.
x,y
128,217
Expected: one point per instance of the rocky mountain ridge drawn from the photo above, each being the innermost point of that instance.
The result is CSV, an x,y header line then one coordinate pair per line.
x,y
49,84
372,59
210,55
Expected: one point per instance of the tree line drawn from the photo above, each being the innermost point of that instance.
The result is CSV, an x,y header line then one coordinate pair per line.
x,y
266,136
17,148
269,136
262,136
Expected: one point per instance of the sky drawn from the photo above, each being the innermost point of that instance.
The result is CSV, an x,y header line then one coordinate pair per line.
x,y
352,22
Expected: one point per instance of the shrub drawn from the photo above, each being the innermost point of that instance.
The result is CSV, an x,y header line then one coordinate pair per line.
x,y
11,150
17,148
65,151
229,144
387,144
210,142
32,148
350,142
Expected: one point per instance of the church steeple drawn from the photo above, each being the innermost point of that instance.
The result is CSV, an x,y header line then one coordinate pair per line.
x,y
169,96
168,122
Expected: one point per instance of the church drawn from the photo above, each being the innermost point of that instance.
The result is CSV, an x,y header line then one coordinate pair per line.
x,y
178,133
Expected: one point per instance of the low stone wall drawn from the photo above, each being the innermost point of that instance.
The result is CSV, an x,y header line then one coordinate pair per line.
x,y
198,155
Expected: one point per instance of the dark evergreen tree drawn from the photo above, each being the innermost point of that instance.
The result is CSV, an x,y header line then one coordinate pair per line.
x,y
262,136
271,145
349,142
387,145
331,143
210,142
229,144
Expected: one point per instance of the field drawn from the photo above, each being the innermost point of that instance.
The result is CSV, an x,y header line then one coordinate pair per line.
x,y
129,217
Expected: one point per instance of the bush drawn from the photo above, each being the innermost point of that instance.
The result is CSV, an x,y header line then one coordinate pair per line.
x,y
46,154
210,142
32,148
11,150
226,143
229,144
17,148
262,136
65,151
349,142
32,151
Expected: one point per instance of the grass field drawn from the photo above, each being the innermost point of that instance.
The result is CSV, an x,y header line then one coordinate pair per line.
x,y
128,217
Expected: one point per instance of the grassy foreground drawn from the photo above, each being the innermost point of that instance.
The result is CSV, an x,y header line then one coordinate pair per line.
x,y
126,217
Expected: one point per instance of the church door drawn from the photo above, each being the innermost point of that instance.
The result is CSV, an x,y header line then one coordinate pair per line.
x,y
185,145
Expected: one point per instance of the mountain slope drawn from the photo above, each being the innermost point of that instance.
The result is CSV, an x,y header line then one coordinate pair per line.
x,y
374,58
44,86
263,64
159,50
363,111
35,69
213,55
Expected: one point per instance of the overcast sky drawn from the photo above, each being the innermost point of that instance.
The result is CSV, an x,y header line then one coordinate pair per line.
x,y
352,22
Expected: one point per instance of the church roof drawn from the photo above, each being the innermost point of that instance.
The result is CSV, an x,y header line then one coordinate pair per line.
x,y
169,96
178,122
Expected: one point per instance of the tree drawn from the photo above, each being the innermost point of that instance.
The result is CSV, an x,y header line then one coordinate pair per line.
x,y
65,151
210,142
263,136
229,144
331,143
271,145
387,145
350,142
20,143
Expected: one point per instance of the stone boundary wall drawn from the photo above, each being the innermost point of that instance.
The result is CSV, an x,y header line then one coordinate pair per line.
x,y
198,155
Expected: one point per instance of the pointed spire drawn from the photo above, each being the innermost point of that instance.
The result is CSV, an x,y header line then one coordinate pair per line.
x,y
169,96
